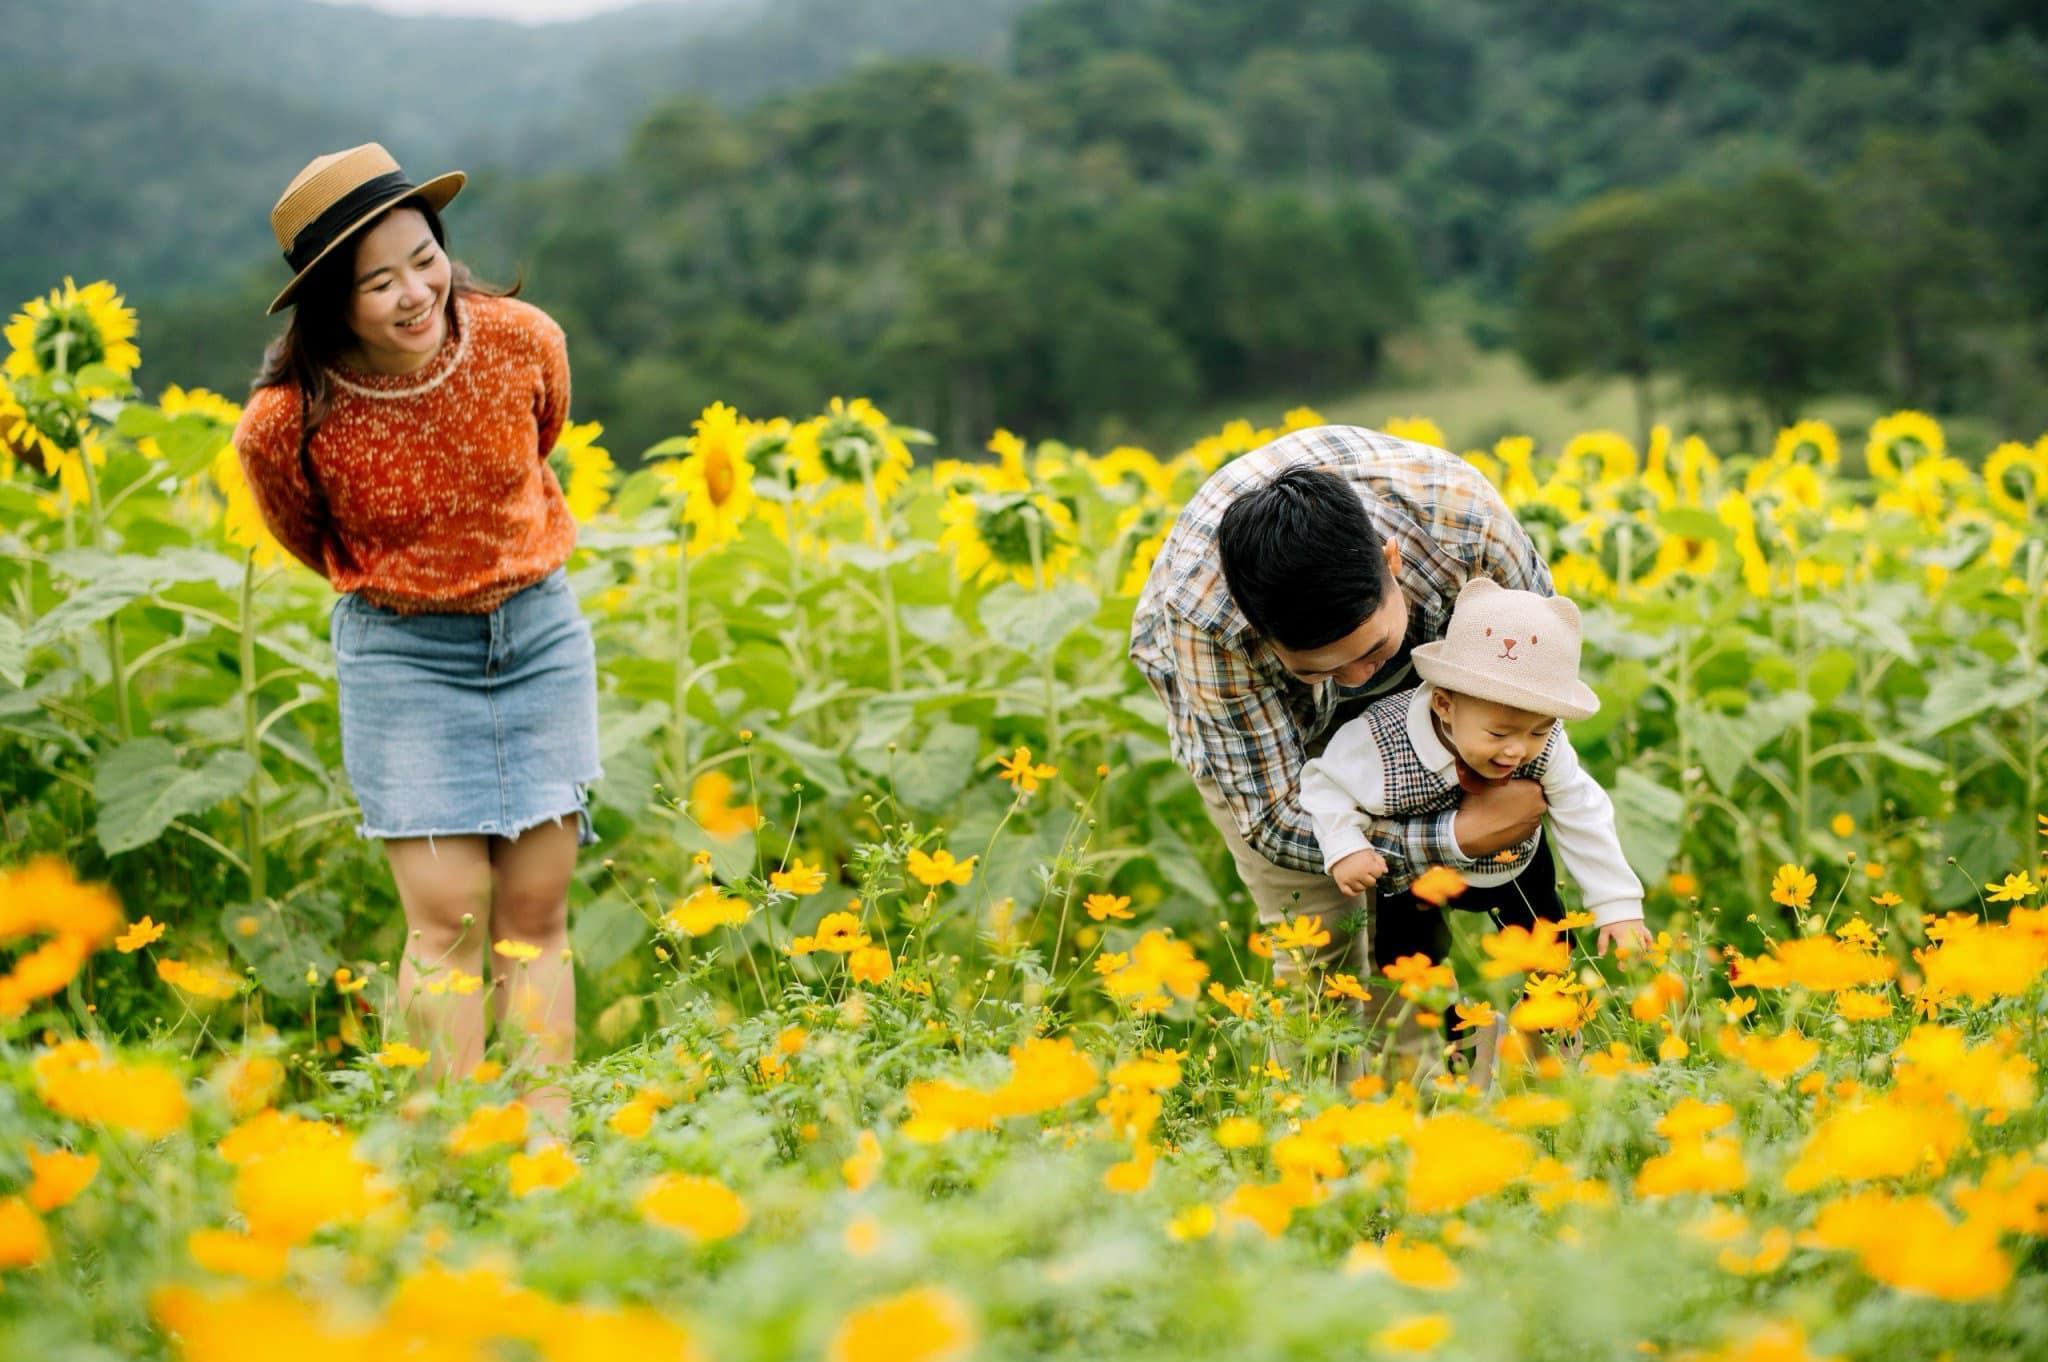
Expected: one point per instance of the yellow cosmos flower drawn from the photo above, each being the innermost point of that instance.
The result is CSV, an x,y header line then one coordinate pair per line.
x,y
199,981
1793,886
711,804
58,1176
2012,889
519,952
706,910
927,1324
233,1254
71,328
543,1170
702,1208
869,965
489,1127
939,868
800,879
836,934
138,935
399,1055
1103,907
1021,772
1027,538
1300,934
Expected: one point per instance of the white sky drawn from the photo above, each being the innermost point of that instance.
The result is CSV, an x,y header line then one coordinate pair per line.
x,y
521,11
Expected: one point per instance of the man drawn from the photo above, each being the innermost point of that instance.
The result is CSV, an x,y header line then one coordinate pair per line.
x,y
1287,596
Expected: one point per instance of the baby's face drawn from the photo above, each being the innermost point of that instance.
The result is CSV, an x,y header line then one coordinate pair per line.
x,y
1492,738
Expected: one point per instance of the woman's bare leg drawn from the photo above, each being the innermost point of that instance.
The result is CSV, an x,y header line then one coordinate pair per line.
x,y
530,905
440,881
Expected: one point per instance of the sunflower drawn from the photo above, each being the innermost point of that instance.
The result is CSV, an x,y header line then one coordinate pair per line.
x,y
1213,451
1420,429
1127,464
2015,477
1889,434
1817,436
23,438
831,450
1609,450
1147,524
177,401
241,522
991,538
716,478
71,328
1513,453
589,484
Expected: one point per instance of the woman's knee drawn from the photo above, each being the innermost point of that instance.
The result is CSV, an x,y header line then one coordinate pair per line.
x,y
531,912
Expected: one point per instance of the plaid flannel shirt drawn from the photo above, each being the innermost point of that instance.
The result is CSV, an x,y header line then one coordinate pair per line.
x,y
1237,716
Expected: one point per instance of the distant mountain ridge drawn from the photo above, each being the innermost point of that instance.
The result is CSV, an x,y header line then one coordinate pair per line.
x,y
153,132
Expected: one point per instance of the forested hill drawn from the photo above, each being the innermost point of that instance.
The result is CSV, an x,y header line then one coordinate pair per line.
x,y
145,137
1139,205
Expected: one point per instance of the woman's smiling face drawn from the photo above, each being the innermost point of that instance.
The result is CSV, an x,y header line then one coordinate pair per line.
x,y
398,302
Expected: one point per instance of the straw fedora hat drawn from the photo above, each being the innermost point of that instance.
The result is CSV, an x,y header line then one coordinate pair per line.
x,y
1512,647
337,193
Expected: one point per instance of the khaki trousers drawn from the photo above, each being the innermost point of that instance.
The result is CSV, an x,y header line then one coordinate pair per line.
x,y
1279,893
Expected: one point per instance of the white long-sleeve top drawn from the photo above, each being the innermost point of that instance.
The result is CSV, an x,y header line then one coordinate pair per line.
x,y
1389,763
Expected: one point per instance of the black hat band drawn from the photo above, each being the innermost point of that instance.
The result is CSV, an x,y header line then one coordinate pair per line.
x,y
317,235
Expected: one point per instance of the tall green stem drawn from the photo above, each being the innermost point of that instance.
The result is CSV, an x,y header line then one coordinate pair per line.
x,y
679,733
881,542
1046,670
252,807
2031,756
117,662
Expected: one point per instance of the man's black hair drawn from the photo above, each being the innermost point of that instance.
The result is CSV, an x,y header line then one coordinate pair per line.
x,y
1302,559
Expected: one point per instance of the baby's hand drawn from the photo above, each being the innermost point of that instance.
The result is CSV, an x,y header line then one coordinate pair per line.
x,y
1627,936
1359,871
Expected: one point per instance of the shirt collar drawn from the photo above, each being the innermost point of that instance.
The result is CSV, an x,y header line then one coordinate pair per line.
x,y
1429,748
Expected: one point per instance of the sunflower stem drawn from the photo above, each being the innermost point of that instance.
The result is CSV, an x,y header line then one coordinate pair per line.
x,y
881,542
1046,669
252,741
679,735
117,665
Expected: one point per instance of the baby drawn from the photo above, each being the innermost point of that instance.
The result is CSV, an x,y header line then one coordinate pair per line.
x,y
1494,693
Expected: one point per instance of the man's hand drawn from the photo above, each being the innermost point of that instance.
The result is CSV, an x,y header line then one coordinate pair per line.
x,y
1498,817
1359,871
1626,936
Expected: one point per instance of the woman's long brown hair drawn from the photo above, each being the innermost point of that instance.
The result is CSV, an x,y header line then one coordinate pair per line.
x,y
318,334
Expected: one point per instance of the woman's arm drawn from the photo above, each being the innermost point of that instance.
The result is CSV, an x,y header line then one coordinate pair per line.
x,y
266,440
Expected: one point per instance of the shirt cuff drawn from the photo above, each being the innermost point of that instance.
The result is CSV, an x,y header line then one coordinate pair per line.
x,y
1616,910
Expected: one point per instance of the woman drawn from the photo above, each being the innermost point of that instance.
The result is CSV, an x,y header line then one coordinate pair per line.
x,y
396,442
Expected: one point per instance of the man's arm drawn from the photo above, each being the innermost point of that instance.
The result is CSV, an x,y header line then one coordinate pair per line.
x,y
1238,725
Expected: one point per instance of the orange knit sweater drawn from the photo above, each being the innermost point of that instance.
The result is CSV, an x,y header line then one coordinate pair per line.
x,y
439,495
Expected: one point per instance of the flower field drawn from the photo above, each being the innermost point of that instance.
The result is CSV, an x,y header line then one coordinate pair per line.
x,y
920,1014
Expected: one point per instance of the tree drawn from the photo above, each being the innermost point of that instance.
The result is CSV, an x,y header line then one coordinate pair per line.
x,y
1770,297
1937,270
1591,295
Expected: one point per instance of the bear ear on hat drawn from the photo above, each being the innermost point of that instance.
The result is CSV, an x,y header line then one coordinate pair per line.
x,y
1564,608
1479,586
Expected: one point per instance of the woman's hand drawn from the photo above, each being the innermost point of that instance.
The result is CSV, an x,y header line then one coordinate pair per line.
x,y
1498,817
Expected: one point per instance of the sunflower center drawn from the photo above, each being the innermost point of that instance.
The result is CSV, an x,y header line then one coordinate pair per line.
x,y
718,476
65,341
1007,528
840,445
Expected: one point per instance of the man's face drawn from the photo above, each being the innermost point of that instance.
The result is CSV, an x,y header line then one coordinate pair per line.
x,y
1352,660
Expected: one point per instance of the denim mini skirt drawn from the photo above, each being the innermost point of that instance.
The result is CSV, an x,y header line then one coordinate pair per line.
x,y
461,725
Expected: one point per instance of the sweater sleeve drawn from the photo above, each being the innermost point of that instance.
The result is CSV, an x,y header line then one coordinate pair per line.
x,y
551,409
1581,818
267,441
